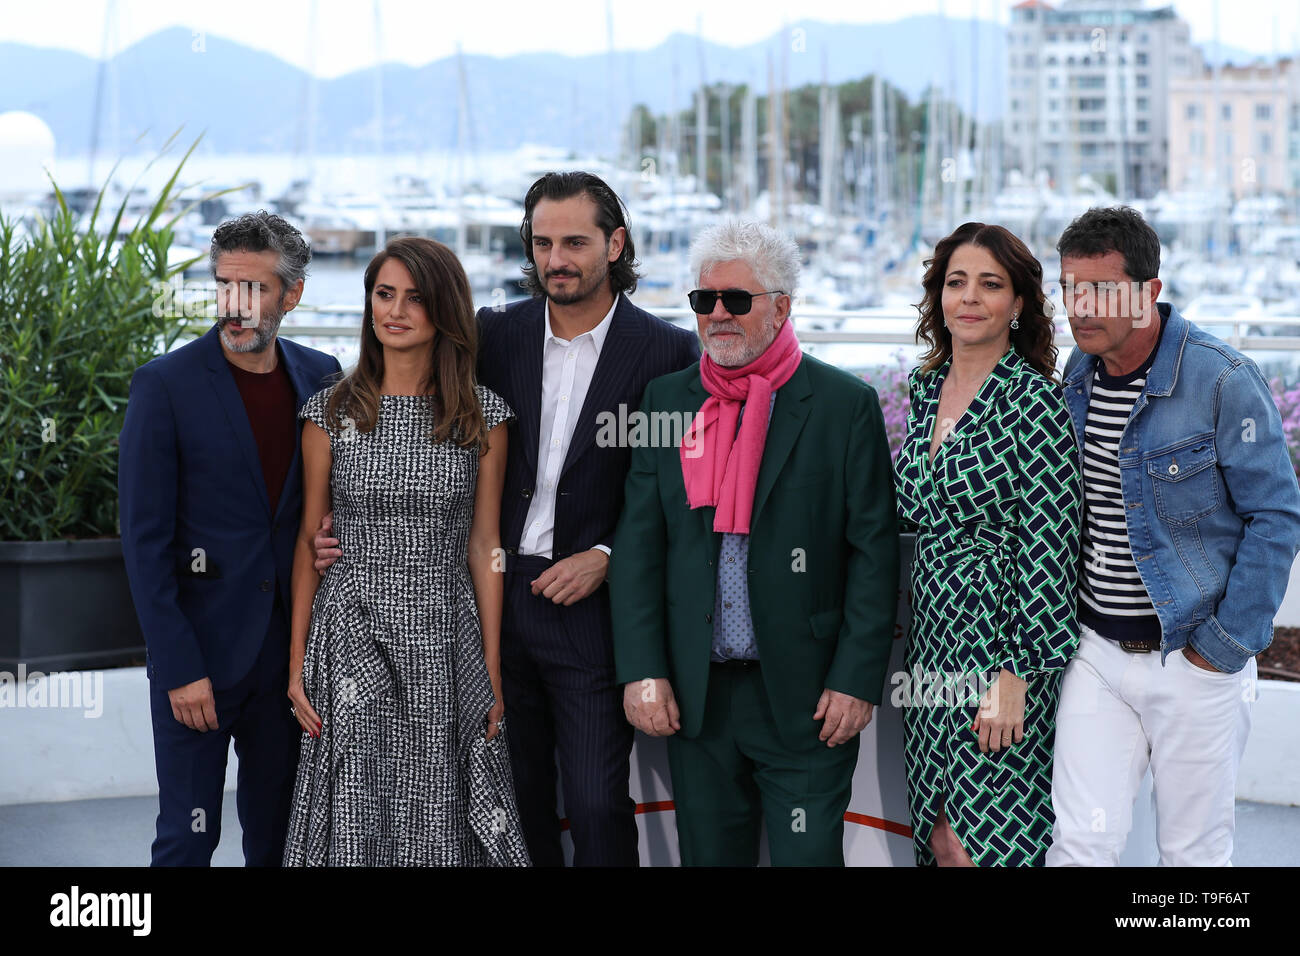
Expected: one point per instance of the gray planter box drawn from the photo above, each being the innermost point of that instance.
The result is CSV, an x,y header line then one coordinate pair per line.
x,y
66,605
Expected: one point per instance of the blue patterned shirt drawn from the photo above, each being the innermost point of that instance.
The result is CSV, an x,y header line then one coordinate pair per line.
x,y
733,628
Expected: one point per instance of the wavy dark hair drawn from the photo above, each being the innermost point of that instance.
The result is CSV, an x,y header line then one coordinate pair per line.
x,y
610,215
444,288
1034,340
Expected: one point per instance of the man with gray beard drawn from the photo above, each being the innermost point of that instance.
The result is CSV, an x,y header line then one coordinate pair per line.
x,y
760,664
210,492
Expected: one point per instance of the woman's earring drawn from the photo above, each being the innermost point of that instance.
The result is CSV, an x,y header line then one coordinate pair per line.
x,y
1015,320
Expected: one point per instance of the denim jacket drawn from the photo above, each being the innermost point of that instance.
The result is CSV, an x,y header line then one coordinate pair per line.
x,y
1210,494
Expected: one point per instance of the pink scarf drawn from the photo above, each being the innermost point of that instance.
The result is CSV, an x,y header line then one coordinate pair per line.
x,y
722,471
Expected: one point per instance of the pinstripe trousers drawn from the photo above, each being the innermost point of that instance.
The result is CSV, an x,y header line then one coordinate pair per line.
x,y
564,707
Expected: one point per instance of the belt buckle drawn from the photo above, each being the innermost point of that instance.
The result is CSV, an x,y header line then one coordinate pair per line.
x,y
1135,647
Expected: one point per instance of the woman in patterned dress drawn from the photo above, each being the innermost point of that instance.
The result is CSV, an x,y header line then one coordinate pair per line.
x,y
990,475
395,669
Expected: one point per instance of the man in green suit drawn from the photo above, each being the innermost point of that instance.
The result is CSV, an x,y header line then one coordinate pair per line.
x,y
755,569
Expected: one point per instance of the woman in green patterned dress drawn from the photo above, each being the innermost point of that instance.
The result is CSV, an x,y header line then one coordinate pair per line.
x,y
990,475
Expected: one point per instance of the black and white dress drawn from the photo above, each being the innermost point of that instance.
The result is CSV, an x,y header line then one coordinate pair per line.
x,y
401,774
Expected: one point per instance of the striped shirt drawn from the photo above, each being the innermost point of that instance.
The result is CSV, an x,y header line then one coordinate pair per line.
x,y
1113,600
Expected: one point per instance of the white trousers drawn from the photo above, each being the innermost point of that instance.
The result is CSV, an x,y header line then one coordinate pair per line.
x,y
1120,712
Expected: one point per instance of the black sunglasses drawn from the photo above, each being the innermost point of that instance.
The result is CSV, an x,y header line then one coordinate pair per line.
x,y
735,301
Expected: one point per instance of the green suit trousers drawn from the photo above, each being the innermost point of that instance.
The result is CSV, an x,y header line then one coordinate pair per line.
x,y
736,775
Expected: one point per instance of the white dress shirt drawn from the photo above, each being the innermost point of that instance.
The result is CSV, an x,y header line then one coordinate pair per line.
x,y
567,369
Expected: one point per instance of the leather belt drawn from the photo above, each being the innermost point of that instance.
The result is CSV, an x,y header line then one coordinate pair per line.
x,y
735,665
1141,647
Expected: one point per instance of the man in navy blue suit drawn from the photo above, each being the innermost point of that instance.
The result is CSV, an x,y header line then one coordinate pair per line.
x,y
570,361
210,492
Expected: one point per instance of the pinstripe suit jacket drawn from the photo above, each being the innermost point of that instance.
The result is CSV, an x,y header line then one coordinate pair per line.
x,y
589,497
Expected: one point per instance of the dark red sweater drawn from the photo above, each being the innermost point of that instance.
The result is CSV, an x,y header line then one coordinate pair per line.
x,y
271,405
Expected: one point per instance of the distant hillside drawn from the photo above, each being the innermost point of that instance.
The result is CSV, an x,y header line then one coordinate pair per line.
x,y
247,100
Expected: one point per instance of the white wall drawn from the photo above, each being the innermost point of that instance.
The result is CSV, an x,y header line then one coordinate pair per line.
x,y
1288,615
51,754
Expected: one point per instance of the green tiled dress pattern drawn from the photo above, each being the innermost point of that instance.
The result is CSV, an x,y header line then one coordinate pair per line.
x,y
993,585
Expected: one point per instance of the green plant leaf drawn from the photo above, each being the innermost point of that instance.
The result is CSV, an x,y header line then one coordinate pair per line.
x,y
77,300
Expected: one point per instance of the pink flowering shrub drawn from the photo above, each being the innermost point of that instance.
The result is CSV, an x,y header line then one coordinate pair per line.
x,y
890,383
1288,404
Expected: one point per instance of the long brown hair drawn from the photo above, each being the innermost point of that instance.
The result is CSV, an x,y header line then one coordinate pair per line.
x,y
444,289
1034,340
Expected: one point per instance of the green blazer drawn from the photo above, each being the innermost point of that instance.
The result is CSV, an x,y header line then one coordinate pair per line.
x,y
823,553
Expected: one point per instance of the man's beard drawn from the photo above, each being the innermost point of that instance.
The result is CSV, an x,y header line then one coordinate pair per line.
x,y
736,354
584,288
263,335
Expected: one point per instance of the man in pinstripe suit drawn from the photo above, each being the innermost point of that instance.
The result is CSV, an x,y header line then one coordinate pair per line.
x,y
565,360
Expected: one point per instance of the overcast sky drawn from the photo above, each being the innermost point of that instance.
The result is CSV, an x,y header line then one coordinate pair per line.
x,y
417,31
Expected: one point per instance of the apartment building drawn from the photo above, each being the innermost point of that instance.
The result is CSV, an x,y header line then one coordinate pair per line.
x,y
1237,128
1088,90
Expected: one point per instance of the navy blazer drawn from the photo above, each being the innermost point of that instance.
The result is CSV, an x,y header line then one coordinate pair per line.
x,y
189,477
589,497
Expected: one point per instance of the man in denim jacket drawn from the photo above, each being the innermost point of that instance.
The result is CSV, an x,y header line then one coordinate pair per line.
x,y
1191,523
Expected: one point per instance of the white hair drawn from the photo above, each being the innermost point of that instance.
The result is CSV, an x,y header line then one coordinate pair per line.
x,y
772,256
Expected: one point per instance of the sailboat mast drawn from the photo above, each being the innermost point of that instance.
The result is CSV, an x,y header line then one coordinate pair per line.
x,y
773,150
462,138
313,91
728,188
105,86
381,237
749,146
701,117
1220,180
879,182
1119,77
612,124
